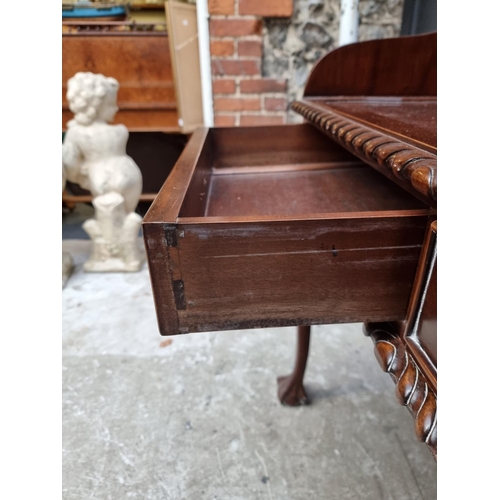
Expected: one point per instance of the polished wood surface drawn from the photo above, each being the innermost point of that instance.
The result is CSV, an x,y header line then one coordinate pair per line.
x,y
378,100
388,152
427,328
328,188
407,350
420,331
297,272
413,119
412,386
272,146
290,171
391,122
291,390
256,249
295,225
404,66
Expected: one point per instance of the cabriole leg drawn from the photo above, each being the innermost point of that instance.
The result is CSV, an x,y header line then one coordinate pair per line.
x,y
291,390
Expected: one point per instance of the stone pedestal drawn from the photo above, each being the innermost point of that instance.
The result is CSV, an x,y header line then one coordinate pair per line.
x,y
114,235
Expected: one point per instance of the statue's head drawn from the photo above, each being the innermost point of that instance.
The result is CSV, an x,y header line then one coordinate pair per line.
x,y
92,97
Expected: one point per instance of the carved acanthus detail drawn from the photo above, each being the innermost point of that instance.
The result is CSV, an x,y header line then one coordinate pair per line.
x,y
412,390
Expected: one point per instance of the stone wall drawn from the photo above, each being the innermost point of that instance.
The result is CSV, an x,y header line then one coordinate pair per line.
x,y
263,50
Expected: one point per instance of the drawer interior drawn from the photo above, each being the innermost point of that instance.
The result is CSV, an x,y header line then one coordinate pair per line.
x,y
325,189
285,171
277,226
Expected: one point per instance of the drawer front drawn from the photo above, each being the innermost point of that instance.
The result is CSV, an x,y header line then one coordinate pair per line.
x,y
210,277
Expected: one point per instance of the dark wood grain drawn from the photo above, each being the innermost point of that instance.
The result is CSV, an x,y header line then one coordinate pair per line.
x,y
410,167
427,328
303,245
323,222
412,388
265,146
251,274
408,350
333,188
420,332
168,203
291,390
404,66
413,119
161,261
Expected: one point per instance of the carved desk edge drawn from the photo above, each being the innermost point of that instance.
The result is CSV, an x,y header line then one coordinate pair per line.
x,y
412,390
410,167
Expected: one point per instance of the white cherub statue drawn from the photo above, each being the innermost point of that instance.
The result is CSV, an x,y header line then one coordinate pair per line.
x,y
94,156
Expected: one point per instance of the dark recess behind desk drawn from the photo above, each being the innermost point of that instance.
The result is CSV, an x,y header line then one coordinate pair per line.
x,y
156,154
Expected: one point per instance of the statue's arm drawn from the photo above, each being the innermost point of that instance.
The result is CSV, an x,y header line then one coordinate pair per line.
x,y
72,158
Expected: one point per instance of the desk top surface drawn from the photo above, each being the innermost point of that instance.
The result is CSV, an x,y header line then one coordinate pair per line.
x,y
395,135
412,119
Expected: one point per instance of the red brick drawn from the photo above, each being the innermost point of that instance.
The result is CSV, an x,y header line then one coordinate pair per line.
x,y
275,103
235,67
235,27
236,104
225,120
224,86
221,48
262,85
223,7
261,120
250,48
266,8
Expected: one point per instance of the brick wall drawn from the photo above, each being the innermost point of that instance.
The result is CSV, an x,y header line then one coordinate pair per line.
x,y
242,96
262,51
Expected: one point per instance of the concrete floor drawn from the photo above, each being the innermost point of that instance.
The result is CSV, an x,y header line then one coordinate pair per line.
x,y
199,418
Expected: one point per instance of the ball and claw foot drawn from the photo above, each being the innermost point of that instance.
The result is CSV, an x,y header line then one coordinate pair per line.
x,y
291,392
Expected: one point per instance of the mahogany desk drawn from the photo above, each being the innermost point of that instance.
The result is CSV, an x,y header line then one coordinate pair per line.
x,y
330,221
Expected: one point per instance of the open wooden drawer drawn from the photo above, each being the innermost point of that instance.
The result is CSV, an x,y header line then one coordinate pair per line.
x,y
276,226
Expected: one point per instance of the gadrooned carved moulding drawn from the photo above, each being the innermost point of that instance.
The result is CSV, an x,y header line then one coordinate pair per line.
x,y
411,167
412,390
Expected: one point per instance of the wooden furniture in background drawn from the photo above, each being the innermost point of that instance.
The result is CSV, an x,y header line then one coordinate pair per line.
x,y
138,58
326,222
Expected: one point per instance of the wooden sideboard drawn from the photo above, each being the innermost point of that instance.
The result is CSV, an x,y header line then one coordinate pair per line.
x,y
330,221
